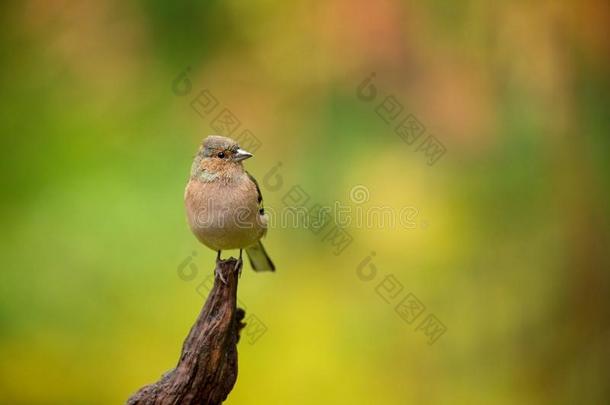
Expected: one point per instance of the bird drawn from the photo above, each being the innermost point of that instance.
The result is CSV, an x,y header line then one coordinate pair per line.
x,y
224,204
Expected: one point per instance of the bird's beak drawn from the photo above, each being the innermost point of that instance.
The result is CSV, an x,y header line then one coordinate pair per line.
x,y
241,155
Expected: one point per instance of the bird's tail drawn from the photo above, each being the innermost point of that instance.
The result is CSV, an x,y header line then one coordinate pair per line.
x,y
259,259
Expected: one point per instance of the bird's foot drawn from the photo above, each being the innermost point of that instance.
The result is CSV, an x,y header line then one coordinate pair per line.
x,y
238,266
218,274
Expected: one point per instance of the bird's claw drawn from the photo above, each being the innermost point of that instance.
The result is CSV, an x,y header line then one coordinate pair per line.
x,y
218,274
238,266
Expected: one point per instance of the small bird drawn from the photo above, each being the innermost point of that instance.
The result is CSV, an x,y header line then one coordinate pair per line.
x,y
224,205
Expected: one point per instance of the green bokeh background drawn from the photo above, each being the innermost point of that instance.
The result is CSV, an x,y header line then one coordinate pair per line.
x,y
510,247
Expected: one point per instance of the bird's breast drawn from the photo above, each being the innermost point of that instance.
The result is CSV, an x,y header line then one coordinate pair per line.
x,y
224,215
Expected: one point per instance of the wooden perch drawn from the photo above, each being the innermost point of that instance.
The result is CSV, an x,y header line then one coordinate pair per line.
x,y
207,369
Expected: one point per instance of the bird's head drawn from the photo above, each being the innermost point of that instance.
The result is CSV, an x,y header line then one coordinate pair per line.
x,y
218,156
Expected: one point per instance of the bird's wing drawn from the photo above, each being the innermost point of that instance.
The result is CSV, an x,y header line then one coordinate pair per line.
x,y
259,194
259,259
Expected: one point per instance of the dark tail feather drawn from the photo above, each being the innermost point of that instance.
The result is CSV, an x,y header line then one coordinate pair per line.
x,y
259,259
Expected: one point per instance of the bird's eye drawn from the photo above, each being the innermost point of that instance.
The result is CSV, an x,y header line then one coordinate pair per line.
x,y
221,155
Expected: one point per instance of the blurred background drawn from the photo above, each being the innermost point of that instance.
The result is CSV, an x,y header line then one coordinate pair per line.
x,y
506,246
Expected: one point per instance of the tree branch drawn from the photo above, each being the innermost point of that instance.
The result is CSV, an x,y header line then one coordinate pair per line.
x,y
207,369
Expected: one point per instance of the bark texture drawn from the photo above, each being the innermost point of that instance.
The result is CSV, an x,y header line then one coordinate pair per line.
x,y
207,369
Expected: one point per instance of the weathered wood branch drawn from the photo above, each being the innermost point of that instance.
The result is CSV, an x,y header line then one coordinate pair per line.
x,y
207,369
